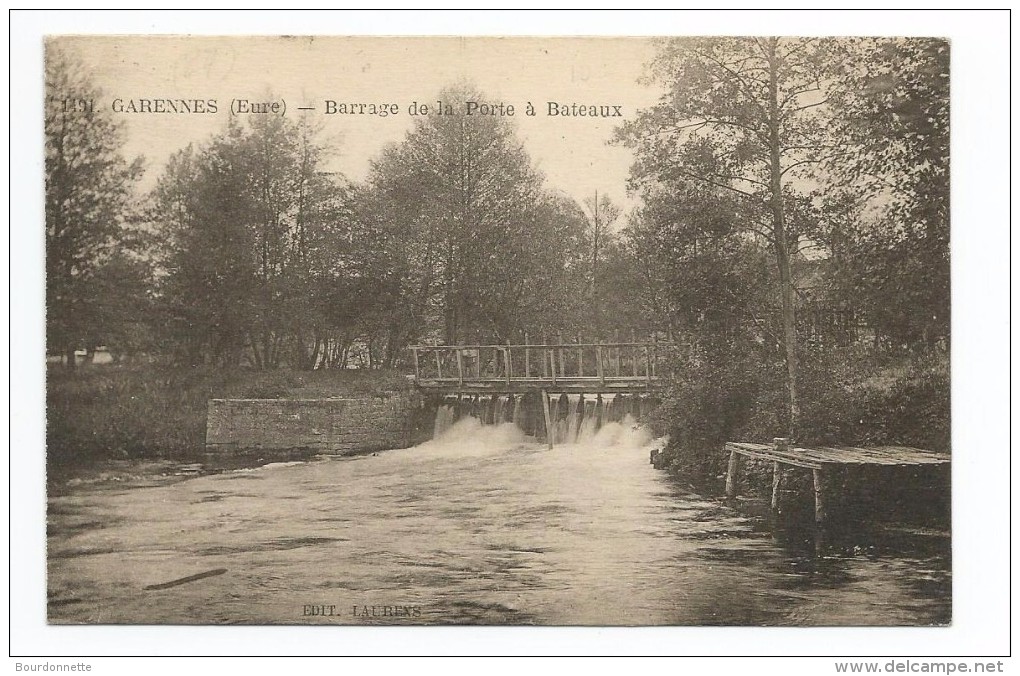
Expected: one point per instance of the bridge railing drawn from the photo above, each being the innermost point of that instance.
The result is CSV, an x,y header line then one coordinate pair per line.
x,y
603,364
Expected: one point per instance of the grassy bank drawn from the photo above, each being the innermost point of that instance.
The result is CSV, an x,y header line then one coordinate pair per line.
x,y
146,411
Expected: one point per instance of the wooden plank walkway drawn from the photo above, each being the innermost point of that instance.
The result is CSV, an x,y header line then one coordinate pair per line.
x,y
820,456
521,385
556,367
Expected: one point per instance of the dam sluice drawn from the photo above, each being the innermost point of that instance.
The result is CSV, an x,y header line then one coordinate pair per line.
x,y
573,417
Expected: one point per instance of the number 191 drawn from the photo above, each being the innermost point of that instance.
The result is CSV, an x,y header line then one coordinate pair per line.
x,y
78,105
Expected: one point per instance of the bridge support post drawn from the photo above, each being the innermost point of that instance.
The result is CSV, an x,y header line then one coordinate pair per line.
x,y
616,354
559,356
548,419
546,359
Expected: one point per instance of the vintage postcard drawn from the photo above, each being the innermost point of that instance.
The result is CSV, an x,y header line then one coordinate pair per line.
x,y
498,331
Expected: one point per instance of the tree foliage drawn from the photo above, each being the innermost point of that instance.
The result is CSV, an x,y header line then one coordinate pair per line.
x,y
832,154
893,98
601,215
741,116
483,248
91,277
267,259
253,235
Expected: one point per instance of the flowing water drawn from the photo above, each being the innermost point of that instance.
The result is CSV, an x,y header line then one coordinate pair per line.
x,y
482,525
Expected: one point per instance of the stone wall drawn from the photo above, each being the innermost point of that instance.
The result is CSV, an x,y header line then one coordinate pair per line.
x,y
340,426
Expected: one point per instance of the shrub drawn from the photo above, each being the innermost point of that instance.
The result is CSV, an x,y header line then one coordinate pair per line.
x,y
848,397
713,393
906,402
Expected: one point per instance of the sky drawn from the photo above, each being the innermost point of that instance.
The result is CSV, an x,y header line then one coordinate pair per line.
x,y
573,152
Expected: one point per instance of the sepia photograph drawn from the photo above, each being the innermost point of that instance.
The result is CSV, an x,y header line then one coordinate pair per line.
x,y
340,335
516,331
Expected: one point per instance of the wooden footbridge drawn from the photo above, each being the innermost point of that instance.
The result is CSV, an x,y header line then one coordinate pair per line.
x,y
598,367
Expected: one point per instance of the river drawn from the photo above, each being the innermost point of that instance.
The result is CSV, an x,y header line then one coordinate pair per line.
x,y
480,526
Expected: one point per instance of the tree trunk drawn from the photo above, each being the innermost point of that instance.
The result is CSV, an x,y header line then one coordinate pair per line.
x,y
314,359
595,249
256,355
301,356
450,300
72,361
782,245
277,349
392,345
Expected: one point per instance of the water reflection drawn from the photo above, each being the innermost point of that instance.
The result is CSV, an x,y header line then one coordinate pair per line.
x,y
483,526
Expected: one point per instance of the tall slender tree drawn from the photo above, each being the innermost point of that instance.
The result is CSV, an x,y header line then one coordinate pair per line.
x,y
745,116
602,214
250,229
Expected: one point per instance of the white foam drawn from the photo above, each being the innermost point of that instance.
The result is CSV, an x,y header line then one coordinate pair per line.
x,y
468,437
626,434
472,437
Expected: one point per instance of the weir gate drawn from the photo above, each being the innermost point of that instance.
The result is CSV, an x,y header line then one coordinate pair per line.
x,y
557,391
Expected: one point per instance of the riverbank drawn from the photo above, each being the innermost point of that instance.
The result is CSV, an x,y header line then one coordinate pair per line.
x,y
109,412
849,397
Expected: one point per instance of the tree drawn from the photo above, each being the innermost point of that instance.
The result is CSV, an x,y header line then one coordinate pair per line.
x,y
200,211
475,235
744,116
893,95
249,224
88,199
698,267
119,304
601,216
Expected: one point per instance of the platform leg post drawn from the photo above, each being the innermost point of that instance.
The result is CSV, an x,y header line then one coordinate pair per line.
x,y
822,508
775,524
777,480
732,474
821,498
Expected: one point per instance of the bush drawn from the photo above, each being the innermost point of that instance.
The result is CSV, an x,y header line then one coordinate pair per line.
x,y
905,403
851,397
714,393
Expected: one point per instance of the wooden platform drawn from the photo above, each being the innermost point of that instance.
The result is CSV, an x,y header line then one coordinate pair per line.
x,y
820,456
823,461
